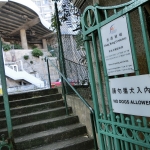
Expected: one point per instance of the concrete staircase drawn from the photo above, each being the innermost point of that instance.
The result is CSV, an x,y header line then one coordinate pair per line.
x,y
23,75
39,123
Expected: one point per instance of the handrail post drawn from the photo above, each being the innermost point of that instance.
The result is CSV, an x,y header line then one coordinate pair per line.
x,y
65,99
48,70
92,116
5,96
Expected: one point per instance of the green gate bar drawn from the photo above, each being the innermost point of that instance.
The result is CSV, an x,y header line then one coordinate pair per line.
x,y
5,96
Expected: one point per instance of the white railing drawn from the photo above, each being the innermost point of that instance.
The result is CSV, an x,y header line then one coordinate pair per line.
x,y
24,88
12,71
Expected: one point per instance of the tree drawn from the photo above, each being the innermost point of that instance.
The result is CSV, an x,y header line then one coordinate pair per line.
x,y
79,40
54,22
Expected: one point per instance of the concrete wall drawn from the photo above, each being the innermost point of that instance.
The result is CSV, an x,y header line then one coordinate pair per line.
x,y
82,4
11,83
81,110
38,68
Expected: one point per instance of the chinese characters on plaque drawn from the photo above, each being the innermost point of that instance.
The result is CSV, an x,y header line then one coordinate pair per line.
x,y
130,95
116,46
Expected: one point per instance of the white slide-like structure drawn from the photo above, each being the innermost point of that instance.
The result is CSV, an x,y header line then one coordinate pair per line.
x,y
23,75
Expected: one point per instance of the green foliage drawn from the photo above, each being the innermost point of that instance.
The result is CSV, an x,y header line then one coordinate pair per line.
x,y
36,52
53,51
54,22
6,47
17,46
31,62
26,57
79,40
34,46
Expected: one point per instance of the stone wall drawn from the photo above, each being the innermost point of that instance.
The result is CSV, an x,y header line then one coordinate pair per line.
x,y
80,109
82,4
33,65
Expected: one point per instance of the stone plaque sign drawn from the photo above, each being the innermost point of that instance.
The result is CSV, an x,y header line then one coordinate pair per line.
x,y
116,46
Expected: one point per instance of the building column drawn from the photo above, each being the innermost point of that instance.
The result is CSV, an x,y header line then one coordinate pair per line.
x,y
24,43
44,43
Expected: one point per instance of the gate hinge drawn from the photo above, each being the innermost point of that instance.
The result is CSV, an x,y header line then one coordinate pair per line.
x,y
88,38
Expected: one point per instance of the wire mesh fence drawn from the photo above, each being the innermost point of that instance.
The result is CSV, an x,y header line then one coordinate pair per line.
x,y
77,72
75,63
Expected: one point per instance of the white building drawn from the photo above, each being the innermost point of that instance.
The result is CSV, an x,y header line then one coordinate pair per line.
x,y
46,9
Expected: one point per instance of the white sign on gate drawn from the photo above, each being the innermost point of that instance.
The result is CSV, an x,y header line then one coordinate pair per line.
x,y
131,95
116,46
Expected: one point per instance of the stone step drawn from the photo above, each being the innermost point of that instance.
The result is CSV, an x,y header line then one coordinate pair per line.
x,y
29,101
39,122
42,125
32,94
49,136
35,116
77,143
33,108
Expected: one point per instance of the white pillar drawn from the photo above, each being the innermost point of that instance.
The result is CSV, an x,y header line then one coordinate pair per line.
x,y
24,43
44,43
21,65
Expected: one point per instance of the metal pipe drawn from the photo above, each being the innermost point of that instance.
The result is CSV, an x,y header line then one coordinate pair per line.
x,y
49,78
92,116
61,56
5,95
60,41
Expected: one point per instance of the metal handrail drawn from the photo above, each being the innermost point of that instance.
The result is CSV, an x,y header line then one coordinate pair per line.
x,y
6,103
92,113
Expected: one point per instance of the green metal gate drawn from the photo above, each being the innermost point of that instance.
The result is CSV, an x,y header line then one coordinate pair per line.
x,y
5,143
117,131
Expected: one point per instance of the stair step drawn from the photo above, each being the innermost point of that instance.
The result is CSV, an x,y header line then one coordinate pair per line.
x,y
33,108
42,125
39,122
77,143
50,136
27,118
29,101
32,94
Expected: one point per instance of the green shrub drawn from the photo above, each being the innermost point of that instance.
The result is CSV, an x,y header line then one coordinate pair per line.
x,y
17,46
36,52
79,40
26,57
31,62
6,47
